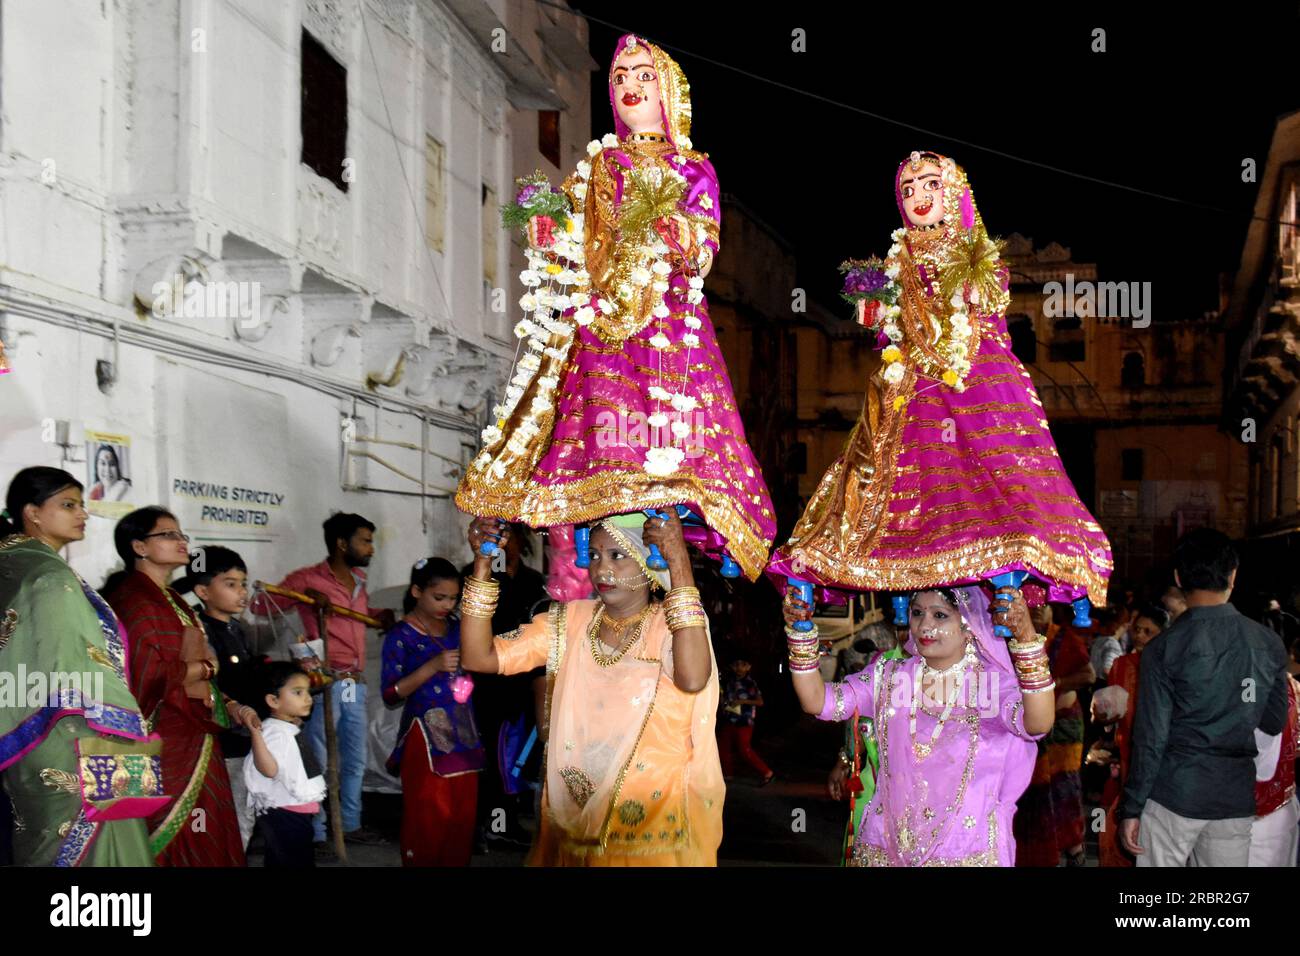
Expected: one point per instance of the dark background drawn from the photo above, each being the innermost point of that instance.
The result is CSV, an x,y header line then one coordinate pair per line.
x,y
1177,101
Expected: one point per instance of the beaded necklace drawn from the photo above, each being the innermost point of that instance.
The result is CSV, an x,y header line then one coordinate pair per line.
x,y
924,750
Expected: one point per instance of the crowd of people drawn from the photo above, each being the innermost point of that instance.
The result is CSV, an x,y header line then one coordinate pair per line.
x,y
1187,757
1175,717
196,739
960,747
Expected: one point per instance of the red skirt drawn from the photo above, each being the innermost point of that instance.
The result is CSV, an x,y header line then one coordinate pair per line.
x,y
437,812
209,836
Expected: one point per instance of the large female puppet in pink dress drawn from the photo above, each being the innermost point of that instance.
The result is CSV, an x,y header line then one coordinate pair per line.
x,y
951,475
621,401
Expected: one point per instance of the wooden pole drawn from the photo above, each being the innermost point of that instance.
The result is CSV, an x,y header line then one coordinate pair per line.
x,y
304,599
331,749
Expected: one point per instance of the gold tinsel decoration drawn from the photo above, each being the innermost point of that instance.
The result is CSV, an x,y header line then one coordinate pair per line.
x,y
974,266
650,193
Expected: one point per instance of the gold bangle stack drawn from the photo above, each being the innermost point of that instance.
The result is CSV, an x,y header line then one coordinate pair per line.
x,y
683,609
804,648
480,598
1033,669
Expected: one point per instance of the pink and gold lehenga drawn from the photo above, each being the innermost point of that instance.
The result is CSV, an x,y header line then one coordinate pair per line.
x,y
951,475
625,403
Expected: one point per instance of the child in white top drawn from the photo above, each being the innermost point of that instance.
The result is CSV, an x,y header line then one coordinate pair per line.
x,y
283,790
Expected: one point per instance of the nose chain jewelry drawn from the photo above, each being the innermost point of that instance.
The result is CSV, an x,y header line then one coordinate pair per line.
x,y
635,583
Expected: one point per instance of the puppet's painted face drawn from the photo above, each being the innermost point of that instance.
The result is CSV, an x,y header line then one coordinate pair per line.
x,y
636,91
922,192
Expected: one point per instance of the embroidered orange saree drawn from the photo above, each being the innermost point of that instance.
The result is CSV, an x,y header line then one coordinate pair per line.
x,y
632,770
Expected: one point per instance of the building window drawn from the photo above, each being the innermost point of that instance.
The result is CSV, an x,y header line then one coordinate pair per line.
x,y
1288,240
1024,344
1134,373
435,193
491,218
1131,464
1295,465
1067,341
796,461
324,111
548,135
1256,501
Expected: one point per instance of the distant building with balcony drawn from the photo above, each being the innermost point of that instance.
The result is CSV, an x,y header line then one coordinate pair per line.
x,y
1135,411
1262,410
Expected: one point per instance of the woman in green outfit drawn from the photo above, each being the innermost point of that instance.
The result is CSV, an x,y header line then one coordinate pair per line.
x,y
854,775
79,762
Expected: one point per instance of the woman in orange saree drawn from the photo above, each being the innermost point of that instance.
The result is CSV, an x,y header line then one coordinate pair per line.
x,y
632,775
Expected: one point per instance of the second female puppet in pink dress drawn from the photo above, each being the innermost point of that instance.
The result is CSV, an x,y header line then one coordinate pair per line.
x,y
951,475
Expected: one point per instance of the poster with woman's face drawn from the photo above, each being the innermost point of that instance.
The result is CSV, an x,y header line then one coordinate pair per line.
x,y
109,490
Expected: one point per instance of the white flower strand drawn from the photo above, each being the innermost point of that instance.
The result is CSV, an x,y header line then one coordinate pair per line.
x,y
541,305
541,324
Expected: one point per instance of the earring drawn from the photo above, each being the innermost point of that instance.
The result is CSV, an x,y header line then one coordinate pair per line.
x,y
970,652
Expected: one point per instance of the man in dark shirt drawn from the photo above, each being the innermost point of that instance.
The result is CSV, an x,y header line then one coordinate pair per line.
x,y
1206,684
499,699
219,578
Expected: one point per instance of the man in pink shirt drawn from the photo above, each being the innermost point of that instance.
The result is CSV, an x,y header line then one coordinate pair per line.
x,y
339,580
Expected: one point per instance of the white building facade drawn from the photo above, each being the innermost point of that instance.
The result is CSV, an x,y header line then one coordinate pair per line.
x,y
253,249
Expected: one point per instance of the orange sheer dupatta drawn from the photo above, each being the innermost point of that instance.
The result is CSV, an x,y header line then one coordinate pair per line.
x,y
632,770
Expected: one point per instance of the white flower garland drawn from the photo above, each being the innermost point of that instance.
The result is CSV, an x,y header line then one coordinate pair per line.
x,y
570,288
542,322
955,349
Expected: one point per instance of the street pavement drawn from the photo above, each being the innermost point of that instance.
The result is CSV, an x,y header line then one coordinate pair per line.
x,y
789,822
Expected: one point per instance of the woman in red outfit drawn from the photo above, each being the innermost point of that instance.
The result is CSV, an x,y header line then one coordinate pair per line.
x,y
438,753
1149,622
172,671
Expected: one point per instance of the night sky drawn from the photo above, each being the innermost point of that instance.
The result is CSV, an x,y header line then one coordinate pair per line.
x,y
1171,108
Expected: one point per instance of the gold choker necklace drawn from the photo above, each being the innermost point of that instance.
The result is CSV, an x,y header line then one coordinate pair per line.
x,y
647,138
593,634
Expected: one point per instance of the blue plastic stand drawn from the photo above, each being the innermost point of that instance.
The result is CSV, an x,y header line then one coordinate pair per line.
x,y
582,547
1082,616
805,589
900,603
1009,579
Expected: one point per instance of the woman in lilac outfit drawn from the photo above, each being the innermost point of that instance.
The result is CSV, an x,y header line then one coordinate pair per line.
x,y
956,733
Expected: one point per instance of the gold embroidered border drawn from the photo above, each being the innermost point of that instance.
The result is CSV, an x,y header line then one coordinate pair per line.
x,y
622,774
899,573
1003,472
948,448
619,492
955,527
1029,509
982,409
927,492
